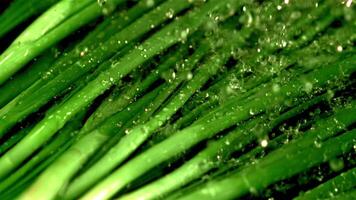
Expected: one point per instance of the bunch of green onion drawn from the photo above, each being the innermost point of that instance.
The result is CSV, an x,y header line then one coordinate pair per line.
x,y
177,99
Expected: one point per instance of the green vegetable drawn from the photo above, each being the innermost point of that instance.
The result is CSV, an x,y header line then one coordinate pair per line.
x,y
168,99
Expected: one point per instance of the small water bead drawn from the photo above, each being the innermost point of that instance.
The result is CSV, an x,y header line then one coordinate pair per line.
x,y
229,90
227,142
252,112
339,48
150,3
244,8
264,143
184,34
317,143
101,2
170,14
308,86
189,76
84,52
336,164
276,88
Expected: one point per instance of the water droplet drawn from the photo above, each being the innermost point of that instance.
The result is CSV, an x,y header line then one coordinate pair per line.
x,y
189,76
184,34
348,3
101,2
317,143
276,88
150,3
308,86
264,143
339,48
170,14
336,164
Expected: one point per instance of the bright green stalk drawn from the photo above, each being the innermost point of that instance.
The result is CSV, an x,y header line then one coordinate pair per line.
x,y
10,142
15,112
331,188
43,25
19,11
77,154
57,23
65,134
45,70
22,184
82,182
218,120
259,176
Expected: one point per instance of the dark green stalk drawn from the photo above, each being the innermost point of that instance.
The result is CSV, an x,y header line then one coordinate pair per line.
x,y
333,187
22,81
